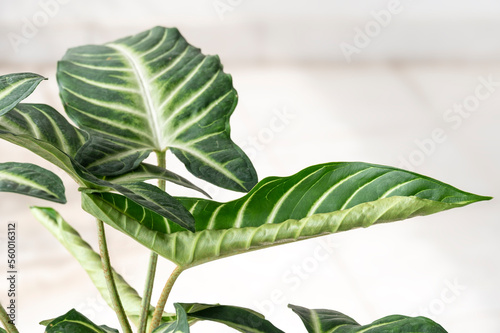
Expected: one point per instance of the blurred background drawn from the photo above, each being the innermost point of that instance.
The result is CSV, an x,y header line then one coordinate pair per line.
x,y
412,84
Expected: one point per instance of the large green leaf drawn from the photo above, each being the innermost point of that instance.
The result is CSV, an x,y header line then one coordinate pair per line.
x,y
180,325
74,322
241,319
319,200
31,180
16,87
329,321
156,91
90,261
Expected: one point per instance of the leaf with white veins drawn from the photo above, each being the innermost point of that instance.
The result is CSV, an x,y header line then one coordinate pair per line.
x,y
16,87
319,200
31,180
156,91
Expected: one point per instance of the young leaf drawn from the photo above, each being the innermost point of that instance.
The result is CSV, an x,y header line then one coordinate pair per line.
x,y
156,91
16,87
89,260
74,322
181,324
241,319
31,180
326,321
319,200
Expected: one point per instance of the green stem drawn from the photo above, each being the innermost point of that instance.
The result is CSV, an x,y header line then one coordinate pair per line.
x,y
160,307
110,281
153,260
4,317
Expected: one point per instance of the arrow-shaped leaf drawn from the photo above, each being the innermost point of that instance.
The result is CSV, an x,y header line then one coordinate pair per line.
x,y
31,180
329,321
16,87
156,91
74,322
319,200
241,319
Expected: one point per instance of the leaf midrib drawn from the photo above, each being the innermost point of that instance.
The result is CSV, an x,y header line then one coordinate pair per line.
x,y
145,92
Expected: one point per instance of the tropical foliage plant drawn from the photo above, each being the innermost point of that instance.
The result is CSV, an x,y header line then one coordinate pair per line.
x,y
154,92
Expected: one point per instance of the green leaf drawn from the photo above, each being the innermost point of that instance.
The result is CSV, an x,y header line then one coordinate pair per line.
x,y
2,330
47,133
42,122
16,87
42,130
181,324
156,91
241,319
148,171
326,321
73,322
90,261
109,157
319,200
31,180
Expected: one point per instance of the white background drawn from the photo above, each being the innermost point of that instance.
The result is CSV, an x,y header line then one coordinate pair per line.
x,y
382,106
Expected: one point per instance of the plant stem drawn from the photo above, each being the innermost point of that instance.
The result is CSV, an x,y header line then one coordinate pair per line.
x,y
4,317
160,307
153,260
110,281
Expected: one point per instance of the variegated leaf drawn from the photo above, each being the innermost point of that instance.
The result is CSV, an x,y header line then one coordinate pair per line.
x,y
156,91
329,321
105,156
16,87
31,180
148,171
90,261
319,200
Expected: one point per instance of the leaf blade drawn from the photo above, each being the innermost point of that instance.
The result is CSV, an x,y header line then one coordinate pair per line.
x,y
166,93
31,180
73,322
241,319
281,210
324,321
16,87
180,325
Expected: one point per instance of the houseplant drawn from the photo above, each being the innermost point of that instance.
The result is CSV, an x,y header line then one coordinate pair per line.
x,y
154,92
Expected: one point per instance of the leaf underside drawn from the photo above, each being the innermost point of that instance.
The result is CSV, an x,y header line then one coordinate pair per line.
x,y
319,200
155,91
329,321
180,325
